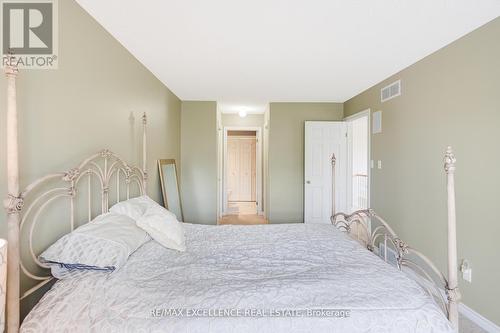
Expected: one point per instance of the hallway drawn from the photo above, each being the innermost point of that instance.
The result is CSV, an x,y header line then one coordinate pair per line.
x,y
242,213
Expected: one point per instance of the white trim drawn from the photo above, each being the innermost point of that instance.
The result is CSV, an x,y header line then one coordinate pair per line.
x,y
366,112
219,144
258,168
477,319
357,115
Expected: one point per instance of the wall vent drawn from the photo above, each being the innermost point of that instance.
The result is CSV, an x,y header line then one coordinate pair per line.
x,y
391,91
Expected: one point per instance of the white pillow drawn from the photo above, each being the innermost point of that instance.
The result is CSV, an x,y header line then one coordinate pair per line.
x,y
135,207
163,227
103,244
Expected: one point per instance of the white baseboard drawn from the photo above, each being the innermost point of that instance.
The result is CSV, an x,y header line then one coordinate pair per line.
x,y
477,319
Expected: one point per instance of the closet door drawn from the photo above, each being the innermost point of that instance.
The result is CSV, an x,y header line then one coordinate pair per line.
x,y
241,169
246,159
322,139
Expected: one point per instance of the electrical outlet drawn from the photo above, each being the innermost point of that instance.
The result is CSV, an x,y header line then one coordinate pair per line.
x,y
466,271
379,164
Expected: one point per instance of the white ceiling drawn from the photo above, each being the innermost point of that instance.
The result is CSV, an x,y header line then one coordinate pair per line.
x,y
257,51
248,108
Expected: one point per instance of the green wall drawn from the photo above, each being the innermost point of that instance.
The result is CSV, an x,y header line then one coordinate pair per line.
x,y
286,156
84,106
70,113
452,97
199,162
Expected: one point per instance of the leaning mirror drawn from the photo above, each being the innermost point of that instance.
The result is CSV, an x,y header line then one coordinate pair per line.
x,y
170,187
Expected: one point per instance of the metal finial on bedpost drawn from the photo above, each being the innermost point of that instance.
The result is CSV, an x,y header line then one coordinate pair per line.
x,y
144,153
452,287
14,202
333,160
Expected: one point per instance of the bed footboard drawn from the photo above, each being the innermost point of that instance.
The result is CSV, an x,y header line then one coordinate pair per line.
x,y
377,236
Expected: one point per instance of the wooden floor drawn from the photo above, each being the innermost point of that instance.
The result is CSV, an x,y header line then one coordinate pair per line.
x,y
242,212
242,207
243,219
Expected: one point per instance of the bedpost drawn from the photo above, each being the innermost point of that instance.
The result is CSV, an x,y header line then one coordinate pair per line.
x,y
452,287
333,160
144,153
13,203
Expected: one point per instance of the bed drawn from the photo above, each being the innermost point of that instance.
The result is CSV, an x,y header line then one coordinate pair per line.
x,y
250,268
347,276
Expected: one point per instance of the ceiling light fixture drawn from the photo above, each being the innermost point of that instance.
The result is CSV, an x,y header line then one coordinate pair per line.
x,y
242,113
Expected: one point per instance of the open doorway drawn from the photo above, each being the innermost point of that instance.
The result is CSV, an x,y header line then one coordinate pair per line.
x,y
241,186
358,151
242,176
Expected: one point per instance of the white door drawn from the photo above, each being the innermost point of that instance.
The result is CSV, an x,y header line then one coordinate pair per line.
x,y
241,168
322,139
245,171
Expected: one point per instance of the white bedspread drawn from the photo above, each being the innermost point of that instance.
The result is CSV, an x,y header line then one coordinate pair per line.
x,y
259,268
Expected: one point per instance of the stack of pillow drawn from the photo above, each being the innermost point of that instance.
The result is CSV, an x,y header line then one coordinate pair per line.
x,y
159,223
105,243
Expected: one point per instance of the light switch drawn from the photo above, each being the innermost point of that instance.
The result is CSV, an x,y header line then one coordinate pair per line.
x,y
372,164
379,164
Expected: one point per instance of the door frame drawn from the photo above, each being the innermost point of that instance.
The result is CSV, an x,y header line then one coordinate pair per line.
x,y
258,166
360,114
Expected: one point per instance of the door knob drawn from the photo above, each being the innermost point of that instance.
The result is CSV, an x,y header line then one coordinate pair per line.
x,y
308,182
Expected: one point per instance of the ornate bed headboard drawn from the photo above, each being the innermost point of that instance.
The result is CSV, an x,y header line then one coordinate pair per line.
x,y
95,184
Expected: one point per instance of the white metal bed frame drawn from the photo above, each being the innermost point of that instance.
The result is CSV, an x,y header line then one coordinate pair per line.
x,y
105,166
371,230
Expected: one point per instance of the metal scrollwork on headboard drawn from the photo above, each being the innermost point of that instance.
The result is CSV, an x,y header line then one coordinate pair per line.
x,y
13,204
103,168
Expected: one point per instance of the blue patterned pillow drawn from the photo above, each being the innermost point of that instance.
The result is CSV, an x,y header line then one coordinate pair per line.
x,y
102,245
